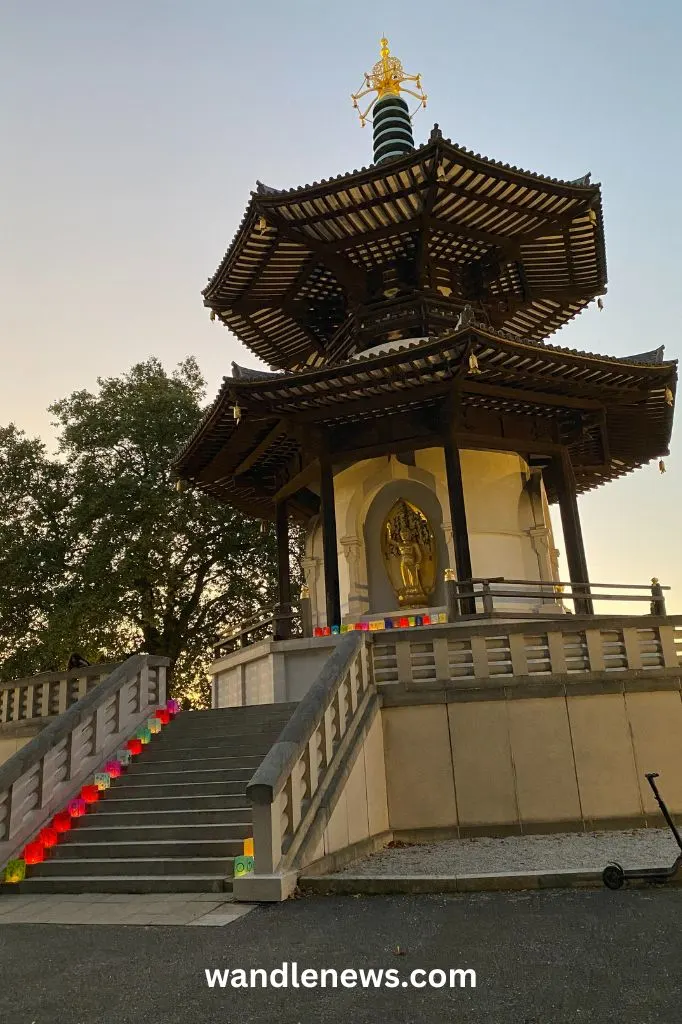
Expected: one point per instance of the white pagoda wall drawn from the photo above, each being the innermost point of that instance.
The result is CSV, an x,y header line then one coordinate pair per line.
x,y
510,532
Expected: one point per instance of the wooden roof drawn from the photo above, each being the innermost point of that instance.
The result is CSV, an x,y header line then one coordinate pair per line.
x,y
613,414
526,250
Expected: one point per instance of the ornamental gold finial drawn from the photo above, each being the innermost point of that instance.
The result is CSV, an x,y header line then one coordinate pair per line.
x,y
387,78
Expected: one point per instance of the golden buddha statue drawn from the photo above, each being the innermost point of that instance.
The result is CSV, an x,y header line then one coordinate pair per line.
x,y
409,551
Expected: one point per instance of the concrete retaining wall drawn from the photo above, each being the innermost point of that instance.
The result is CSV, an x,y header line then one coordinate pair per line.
x,y
510,765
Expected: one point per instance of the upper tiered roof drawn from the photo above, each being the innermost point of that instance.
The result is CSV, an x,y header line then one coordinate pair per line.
x,y
319,272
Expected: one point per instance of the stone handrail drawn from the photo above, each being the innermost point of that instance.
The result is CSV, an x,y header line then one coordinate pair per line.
x,y
47,694
495,653
287,788
49,770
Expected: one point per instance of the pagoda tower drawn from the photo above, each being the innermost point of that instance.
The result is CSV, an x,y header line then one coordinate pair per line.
x,y
416,417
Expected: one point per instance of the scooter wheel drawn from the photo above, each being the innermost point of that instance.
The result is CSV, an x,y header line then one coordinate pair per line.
x,y
613,876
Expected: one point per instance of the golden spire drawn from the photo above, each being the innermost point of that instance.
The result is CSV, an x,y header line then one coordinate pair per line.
x,y
387,78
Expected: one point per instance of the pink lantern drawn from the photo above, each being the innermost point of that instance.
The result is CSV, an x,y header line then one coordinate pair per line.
x,y
114,769
77,808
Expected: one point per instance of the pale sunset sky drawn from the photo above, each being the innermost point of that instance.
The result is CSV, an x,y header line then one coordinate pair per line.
x,y
133,132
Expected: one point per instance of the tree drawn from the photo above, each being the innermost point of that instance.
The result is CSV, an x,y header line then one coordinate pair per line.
x,y
33,511
144,566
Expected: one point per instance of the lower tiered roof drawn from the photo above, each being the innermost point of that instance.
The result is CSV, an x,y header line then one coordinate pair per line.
x,y
613,414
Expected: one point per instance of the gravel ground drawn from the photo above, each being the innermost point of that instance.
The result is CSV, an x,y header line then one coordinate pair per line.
x,y
591,851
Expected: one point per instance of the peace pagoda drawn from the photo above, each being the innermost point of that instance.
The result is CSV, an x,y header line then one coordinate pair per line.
x,y
415,417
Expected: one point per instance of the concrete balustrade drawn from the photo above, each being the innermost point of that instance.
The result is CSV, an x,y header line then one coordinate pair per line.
x,y
28,705
499,653
49,770
290,790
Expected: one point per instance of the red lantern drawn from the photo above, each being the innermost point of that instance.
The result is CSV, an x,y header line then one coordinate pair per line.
x,y
134,746
90,794
163,716
77,808
34,853
61,822
404,622
427,620
48,837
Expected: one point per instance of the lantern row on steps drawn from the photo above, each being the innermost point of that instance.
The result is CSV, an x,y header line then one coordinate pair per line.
x,y
396,622
49,836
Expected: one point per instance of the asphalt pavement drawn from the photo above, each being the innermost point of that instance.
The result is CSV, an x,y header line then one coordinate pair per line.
x,y
540,958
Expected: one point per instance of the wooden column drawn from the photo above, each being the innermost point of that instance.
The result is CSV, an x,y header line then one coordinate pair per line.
x,y
458,518
573,534
282,630
329,541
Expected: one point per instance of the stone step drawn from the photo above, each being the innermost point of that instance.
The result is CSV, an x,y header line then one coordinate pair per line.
x,y
191,848
143,785
169,803
170,777
214,765
170,751
234,714
121,883
132,816
234,829
57,867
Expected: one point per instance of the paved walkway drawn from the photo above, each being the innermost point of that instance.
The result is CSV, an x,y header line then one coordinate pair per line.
x,y
158,909
594,957
580,851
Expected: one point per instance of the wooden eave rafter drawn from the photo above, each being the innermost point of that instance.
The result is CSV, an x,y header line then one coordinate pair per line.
x,y
336,224
624,424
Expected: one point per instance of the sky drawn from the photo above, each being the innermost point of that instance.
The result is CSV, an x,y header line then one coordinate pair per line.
x,y
132,134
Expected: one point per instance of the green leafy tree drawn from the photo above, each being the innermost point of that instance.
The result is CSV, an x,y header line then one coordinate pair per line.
x,y
140,565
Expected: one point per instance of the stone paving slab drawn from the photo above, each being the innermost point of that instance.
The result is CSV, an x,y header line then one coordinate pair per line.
x,y
209,909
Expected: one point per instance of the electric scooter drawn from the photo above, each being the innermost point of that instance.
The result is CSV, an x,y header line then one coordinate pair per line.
x,y
614,875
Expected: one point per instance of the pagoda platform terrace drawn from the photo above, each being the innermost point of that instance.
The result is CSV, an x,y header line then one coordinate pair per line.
x,y
538,654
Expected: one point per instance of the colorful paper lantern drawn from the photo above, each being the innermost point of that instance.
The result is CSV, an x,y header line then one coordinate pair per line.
x,y
388,623
335,630
427,620
317,631
34,853
144,735
403,622
134,746
442,617
15,871
163,716
358,625
77,807
124,757
48,836
61,822
243,866
344,628
113,769
102,781
154,725
248,847
364,625
90,794
419,620
411,621
172,706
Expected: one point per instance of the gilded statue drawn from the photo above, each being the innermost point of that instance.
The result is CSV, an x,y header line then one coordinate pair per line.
x,y
409,551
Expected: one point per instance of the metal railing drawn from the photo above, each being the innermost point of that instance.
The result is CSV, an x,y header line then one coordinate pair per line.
x,y
479,596
262,626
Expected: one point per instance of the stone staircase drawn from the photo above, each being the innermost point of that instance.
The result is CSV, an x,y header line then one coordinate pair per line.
x,y
176,818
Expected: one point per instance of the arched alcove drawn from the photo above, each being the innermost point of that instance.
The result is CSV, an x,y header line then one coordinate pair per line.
x,y
381,595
